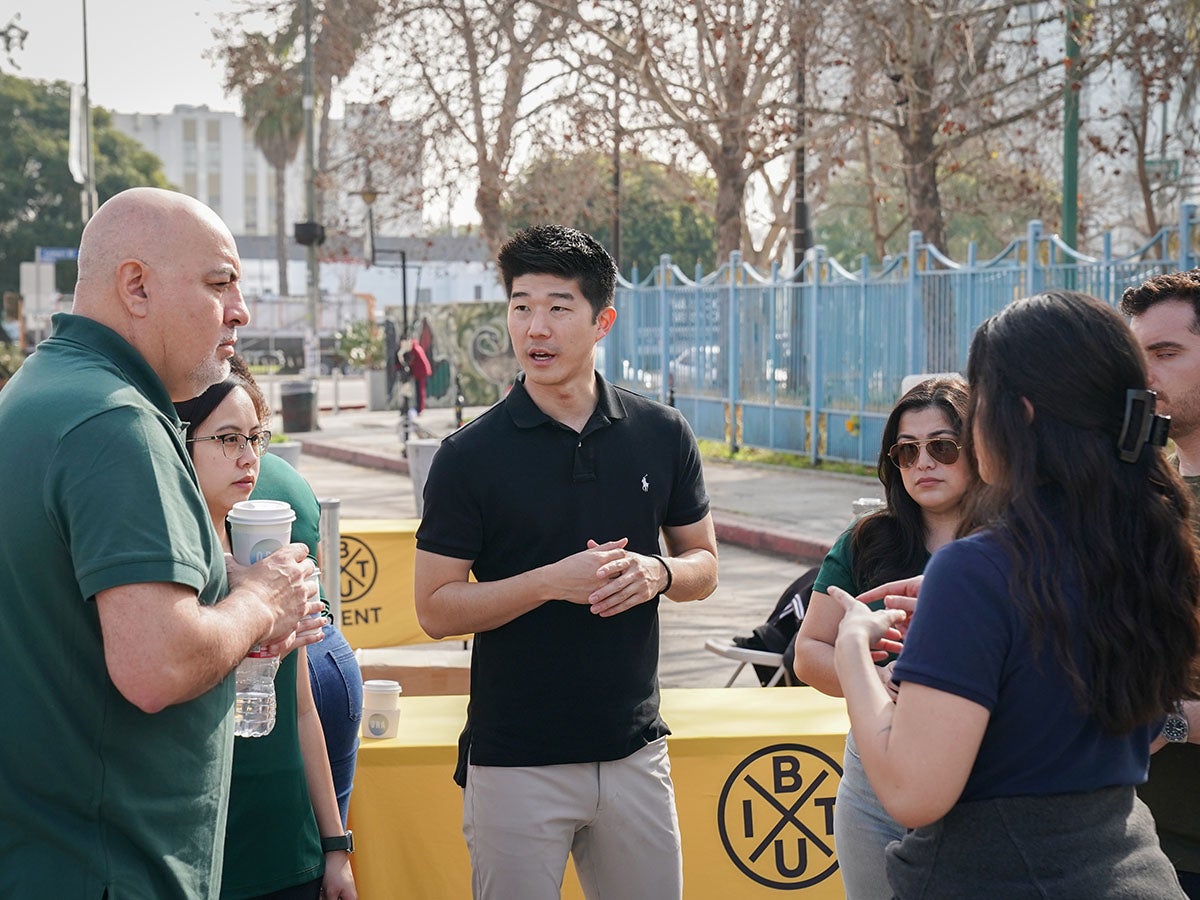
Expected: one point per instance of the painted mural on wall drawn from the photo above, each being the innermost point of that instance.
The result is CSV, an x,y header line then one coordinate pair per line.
x,y
469,340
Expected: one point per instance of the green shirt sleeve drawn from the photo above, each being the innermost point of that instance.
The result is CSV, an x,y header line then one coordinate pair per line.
x,y
837,567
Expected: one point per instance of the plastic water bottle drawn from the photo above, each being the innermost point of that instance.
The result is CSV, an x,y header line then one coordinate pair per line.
x,y
254,708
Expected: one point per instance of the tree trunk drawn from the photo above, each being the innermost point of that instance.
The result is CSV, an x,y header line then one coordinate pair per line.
x,y
281,243
920,174
487,204
925,204
731,195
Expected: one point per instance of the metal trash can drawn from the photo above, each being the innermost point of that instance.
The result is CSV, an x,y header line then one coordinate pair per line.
x,y
420,457
298,403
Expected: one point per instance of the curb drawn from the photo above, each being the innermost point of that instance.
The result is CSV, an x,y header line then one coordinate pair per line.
x,y
753,535
731,528
362,458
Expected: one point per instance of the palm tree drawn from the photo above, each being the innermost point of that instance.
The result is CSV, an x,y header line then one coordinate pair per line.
x,y
271,89
341,29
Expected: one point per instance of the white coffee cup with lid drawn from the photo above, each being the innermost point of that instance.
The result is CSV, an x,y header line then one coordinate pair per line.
x,y
381,708
258,528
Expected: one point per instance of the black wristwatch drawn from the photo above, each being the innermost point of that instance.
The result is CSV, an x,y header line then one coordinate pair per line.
x,y
1175,728
340,842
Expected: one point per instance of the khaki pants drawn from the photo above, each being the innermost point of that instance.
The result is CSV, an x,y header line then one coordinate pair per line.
x,y
616,818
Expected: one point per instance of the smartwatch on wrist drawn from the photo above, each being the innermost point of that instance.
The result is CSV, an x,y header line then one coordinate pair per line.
x,y
339,842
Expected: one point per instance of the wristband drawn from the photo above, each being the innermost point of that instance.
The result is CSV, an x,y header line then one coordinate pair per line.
x,y
338,842
667,569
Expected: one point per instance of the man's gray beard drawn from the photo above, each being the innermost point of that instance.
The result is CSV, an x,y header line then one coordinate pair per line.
x,y
211,371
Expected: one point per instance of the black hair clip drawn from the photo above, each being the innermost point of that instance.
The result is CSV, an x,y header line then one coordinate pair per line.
x,y
1141,426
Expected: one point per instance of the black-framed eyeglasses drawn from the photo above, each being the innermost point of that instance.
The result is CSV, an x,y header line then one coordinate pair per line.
x,y
233,445
906,453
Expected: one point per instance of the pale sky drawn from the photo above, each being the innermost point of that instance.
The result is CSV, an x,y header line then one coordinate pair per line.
x,y
144,56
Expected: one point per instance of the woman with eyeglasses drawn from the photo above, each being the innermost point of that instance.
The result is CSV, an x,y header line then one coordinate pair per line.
x,y
925,478
282,797
1046,649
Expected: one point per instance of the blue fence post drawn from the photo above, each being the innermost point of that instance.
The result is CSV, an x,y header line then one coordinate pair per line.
x,y
1106,268
912,302
816,378
776,356
735,272
864,270
1033,272
699,329
664,325
965,330
1187,212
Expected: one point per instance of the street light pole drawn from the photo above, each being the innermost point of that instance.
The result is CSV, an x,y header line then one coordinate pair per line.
x,y
403,294
1071,88
312,340
89,164
369,196
616,178
801,233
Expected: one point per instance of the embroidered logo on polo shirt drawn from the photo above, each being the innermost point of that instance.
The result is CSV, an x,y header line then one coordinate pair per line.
x,y
646,483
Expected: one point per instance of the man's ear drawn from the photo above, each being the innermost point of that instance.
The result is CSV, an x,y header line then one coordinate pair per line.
x,y
605,319
131,287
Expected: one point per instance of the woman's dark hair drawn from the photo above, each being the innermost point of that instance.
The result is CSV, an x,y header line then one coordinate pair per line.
x,y
195,411
890,544
1048,380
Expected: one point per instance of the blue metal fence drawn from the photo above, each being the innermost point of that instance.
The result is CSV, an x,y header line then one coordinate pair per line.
x,y
811,361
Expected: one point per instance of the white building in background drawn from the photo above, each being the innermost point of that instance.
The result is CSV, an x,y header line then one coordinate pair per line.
x,y
210,155
433,270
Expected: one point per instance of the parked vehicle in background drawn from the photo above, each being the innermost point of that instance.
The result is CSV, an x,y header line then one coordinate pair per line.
x,y
703,363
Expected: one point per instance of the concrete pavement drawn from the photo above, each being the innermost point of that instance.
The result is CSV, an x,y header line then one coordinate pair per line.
x,y
793,513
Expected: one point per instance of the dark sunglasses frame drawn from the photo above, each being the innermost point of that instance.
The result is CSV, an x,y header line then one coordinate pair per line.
x,y
942,450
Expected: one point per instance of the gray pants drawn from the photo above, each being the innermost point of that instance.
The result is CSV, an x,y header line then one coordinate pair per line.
x,y
862,830
617,819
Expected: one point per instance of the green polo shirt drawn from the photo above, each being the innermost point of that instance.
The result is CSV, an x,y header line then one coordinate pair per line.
x,y
98,492
272,841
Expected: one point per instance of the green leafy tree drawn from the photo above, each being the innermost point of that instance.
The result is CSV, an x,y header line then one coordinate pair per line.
x,y
663,210
39,201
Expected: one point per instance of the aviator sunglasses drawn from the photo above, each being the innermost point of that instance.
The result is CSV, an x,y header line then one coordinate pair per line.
x,y
905,453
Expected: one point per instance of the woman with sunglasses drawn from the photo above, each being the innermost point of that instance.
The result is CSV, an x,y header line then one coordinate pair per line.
x,y
1047,648
925,480
282,797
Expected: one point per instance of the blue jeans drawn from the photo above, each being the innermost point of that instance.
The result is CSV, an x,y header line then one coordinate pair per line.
x,y
862,829
337,691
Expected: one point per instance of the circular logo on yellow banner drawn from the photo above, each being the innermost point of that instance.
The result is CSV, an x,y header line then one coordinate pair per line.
x,y
775,816
359,569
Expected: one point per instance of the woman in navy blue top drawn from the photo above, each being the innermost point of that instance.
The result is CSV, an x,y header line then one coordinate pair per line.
x,y
1049,645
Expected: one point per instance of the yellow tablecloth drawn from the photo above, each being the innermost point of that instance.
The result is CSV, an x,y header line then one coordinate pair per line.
x,y
377,582
755,770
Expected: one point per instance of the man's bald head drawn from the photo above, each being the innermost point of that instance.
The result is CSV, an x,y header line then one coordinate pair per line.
x,y
145,224
161,269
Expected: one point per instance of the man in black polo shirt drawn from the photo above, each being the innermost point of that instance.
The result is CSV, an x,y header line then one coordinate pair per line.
x,y
555,500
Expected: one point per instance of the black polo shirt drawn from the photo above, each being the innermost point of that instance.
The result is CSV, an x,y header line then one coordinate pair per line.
x,y
516,489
